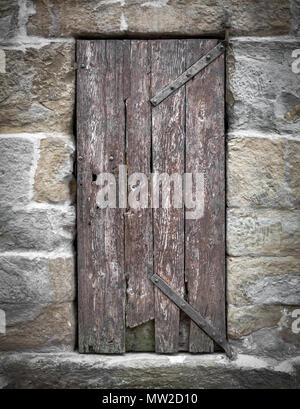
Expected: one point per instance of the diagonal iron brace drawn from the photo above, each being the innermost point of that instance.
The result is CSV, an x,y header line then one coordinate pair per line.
x,y
198,319
188,74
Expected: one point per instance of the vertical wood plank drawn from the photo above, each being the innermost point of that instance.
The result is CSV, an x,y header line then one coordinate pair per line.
x,y
168,136
138,222
114,115
100,145
205,237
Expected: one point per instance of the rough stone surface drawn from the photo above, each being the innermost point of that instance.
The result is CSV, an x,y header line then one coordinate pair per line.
x,y
54,181
281,289
263,232
9,10
16,161
4,382
264,330
184,17
296,367
71,370
33,327
37,82
276,342
293,166
34,280
263,280
37,89
264,90
256,173
37,229
250,318
295,12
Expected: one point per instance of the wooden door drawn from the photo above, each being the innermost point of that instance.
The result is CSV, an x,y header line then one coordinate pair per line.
x,y
125,116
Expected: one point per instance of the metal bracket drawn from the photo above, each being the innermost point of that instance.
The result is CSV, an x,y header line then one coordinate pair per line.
x,y
198,319
188,74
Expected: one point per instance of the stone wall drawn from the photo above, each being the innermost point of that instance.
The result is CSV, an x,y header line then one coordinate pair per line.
x,y
37,99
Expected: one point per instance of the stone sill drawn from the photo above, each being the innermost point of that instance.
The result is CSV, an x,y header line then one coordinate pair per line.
x,y
145,370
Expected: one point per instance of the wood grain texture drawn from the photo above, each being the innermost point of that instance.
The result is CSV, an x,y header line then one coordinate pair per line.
x,y
168,138
118,249
100,133
187,75
205,237
138,222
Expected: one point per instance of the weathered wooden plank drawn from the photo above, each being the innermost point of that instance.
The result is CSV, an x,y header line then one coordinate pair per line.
x,y
205,237
197,318
100,136
138,222
184,332
188,74
114,115
168,119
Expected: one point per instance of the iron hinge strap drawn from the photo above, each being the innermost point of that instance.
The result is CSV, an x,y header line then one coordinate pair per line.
x,y
188,74
198,319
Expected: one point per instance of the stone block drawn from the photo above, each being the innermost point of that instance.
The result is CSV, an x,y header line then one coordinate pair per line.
x,y
247,319
34,327
293,166
33,280
37,229
54,181
263,232
179,17
140,371
264,91
256,173
16,161
9,11
37,89
278,341
263,280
